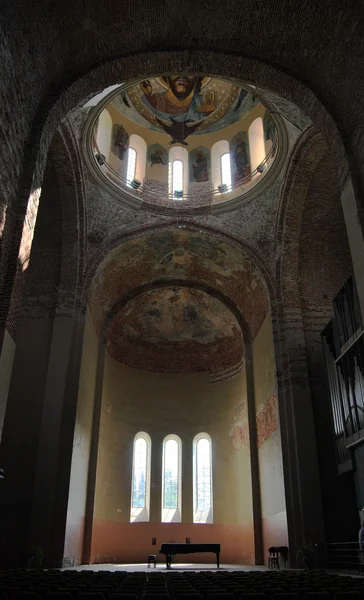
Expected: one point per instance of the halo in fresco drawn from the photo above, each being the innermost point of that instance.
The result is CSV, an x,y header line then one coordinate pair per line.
x,y
182,105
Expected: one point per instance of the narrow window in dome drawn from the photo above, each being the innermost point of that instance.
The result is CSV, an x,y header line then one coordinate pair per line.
x,y
226,170
140,489
171,494
202,484
130,173
177,179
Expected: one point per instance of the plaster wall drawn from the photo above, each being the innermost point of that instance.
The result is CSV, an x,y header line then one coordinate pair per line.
x,y
81,446
273,506
161,404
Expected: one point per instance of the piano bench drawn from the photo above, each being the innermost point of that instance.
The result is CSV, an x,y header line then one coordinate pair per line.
x,y
152,559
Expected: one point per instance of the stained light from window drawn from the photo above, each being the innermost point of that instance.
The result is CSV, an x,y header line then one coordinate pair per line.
x,y
130,172
170,488
226,170
139,473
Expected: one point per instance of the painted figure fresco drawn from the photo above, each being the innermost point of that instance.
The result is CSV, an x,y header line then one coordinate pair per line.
x,y
180,101
240,435
199,164
182,105
240,159
120,140
157,155
267,419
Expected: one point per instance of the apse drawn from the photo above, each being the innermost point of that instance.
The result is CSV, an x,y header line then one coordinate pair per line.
x,y
176,319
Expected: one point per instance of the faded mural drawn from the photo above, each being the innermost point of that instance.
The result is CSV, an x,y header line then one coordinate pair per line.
x,y
266,422
119,141
240,158
157,155
239,432
182,105
177,255
200,166
267,419
176,328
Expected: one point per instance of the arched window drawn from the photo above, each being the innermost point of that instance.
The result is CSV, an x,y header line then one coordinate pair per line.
x,y
178,172
171,479
226,170
256,143
177,178
140,488
130,171
220,167
202,479
139,145
103,135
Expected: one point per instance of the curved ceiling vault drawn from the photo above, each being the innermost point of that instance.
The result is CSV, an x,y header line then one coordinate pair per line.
x,y
149,324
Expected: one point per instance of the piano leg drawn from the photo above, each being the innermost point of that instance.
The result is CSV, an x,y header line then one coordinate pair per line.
x,y
168,560
218,559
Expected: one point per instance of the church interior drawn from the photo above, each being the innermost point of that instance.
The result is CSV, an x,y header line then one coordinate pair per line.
x,y
181,280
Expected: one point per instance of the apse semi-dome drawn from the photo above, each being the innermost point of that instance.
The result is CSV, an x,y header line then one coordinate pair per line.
x,y
177,330
182,142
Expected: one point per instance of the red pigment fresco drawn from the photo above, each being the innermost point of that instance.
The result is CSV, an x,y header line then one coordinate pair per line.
x,y
267,420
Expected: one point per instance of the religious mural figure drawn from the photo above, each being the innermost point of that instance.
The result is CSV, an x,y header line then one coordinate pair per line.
x,y
182,105
181,101
156,158
120,140
157,155
200,167
179,109
240,156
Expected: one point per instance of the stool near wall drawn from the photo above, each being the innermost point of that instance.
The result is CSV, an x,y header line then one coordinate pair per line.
x,y
152,560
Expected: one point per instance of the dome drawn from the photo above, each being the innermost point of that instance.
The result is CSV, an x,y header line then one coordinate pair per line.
x,y
184,142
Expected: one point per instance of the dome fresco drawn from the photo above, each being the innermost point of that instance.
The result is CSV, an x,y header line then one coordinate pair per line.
x,y
182,142
182,105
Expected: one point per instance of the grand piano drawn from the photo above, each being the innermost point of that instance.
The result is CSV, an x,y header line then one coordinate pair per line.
x,y
172,549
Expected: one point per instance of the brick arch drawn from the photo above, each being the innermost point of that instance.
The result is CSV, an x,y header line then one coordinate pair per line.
x,y
114,276
305,157
66,157
307,240
64,174
188,224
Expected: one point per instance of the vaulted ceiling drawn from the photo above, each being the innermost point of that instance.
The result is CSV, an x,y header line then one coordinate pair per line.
x,y
177,300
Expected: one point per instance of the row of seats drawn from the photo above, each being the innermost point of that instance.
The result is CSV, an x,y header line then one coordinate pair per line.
x,y
175,585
